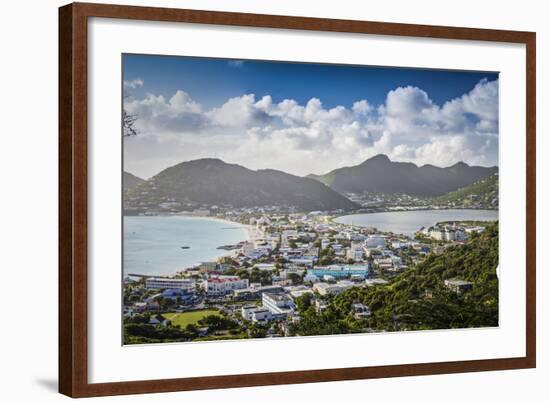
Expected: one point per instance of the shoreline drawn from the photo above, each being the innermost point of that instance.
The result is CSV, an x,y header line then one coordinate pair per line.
x,y
251,234
431,209
333,220
412,210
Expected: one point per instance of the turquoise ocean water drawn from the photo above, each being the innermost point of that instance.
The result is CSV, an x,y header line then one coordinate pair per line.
x,y
152,244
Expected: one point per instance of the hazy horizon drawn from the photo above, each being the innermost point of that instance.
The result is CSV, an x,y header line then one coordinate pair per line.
x,y
214,158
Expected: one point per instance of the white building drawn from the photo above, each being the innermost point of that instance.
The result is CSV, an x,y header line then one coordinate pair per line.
x,y
360,311
222,285
265,266
255,314
311,278
356,251
326,288
375,241
375,281
280,305
443,234
154,283
263,221
320,305
281,281
306,261
292,269
299,290
474,229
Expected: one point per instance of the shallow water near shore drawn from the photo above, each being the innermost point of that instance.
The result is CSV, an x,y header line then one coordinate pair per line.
x,y
153,244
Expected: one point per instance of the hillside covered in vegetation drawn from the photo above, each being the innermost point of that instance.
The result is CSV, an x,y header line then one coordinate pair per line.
x,y
418,299
482,193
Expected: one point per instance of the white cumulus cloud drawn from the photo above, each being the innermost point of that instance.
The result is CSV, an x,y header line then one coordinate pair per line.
x,y
311,138
133,84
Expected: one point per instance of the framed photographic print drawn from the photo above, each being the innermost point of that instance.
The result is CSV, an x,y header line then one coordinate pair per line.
x,y
253,200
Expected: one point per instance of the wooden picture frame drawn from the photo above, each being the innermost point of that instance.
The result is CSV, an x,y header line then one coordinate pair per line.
x,y
73,204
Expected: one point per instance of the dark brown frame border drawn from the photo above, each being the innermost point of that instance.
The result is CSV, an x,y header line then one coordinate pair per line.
x,y
73,198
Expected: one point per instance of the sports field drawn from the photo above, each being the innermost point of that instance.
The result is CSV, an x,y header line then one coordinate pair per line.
x,y
185,318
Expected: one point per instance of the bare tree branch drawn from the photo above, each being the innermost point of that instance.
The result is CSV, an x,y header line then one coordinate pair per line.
x,y
128,121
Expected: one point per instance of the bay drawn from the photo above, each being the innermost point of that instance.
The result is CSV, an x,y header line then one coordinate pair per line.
x,y
408,222
153,244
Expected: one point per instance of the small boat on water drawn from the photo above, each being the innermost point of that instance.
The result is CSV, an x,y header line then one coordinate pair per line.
x,y
185,247
227,247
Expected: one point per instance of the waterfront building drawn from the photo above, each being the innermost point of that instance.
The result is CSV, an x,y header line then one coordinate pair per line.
x,y
212,267
443,234
154,283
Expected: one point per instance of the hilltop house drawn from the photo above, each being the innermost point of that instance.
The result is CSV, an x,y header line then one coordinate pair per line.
x,y
458,286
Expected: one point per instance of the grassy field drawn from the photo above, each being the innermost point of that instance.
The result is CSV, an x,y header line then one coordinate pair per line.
x,y
183,319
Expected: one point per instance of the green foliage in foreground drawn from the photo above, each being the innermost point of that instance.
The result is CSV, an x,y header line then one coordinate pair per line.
x,y
184,327
417,299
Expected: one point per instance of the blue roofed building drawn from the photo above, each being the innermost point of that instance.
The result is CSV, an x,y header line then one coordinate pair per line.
x,y
175,293
340,271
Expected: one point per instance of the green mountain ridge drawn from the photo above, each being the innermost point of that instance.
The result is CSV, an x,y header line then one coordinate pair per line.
x,y
380,175
212,182
130,181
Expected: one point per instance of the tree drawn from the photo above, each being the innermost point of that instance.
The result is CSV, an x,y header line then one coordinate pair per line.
x,y
160,302
215,323
303,302
296,278
128,122
167,303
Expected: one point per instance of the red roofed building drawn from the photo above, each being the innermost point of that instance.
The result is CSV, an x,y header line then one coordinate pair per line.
x,y
222,285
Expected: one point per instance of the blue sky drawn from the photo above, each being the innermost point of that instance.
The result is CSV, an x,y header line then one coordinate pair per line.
x,y
304,118
333,84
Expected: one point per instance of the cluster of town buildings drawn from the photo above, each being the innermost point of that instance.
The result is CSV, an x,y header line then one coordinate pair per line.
x,y
301,254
